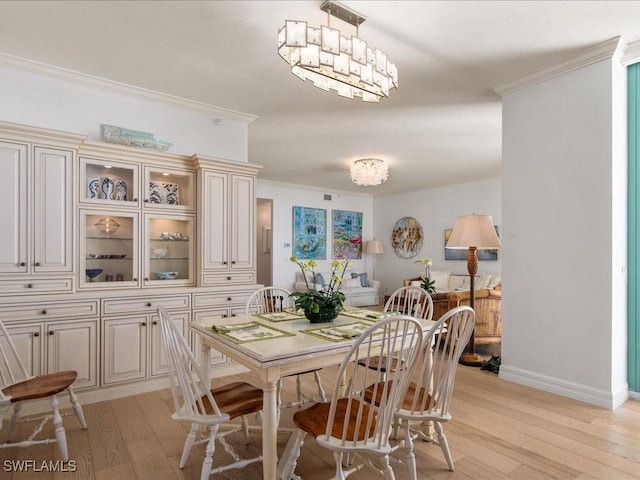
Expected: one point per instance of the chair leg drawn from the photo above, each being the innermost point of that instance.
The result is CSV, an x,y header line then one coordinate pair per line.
x,y
207,463
321,392
410,457
245,427
387,471
15,415
188,444
61,435
301,398
339,472
77,408
289,457
444,444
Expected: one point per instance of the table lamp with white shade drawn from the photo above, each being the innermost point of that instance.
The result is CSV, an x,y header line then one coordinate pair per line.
x,y
374,247
473,232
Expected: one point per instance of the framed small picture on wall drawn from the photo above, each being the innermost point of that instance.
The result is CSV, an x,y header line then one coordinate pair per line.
x,y
456,254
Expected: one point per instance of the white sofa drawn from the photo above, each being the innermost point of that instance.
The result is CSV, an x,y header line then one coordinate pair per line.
x,y
359,290
446,281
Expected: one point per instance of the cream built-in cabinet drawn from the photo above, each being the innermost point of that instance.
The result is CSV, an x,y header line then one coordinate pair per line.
x,y
227,221
96,236
37,215
56,335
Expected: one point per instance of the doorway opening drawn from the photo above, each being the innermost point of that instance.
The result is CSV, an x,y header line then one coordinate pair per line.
x,y
264,241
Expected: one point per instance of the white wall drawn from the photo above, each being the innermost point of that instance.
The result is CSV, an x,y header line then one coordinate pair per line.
x,y
285,197
46,101
436,210
564,235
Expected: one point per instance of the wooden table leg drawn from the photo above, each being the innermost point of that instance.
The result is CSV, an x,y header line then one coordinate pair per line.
x,y
269,430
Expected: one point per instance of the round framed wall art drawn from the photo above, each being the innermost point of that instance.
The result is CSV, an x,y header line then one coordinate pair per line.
x,y
407,237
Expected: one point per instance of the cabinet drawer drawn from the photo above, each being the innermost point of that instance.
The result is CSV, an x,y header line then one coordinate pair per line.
x,y
41,285
46,310
147,304
205,300
230,278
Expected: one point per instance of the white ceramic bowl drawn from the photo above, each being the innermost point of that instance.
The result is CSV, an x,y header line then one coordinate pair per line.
x,y
160,252
167,275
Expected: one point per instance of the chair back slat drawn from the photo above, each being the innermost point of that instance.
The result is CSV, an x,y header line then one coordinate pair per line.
x,y
411,300
189,387
268,300
439,361
12,369
395,342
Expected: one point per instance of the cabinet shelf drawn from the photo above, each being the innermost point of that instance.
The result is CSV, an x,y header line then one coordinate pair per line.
x,y
169,240
109,238
168,258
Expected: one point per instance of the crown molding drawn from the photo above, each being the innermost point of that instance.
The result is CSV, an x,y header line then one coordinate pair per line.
x,y
632,53
612,48
60,73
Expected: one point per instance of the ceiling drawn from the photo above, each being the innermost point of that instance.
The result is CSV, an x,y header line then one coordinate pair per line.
x,y
442,126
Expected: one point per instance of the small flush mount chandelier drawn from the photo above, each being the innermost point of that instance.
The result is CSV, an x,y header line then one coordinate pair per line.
x,y
335,62
369,171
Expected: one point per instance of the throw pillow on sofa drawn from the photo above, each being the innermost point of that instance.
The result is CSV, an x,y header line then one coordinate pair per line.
x,y
441,280
364,280
320,279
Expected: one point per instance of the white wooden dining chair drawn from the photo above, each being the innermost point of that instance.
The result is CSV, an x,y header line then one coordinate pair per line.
x,y
349,426
409,300
273,300
195,403
428,395
17,387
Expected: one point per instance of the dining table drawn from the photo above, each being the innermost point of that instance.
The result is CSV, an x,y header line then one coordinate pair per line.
x,y
280,344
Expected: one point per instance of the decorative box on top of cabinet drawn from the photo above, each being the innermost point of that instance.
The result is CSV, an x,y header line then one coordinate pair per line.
x,y
36,194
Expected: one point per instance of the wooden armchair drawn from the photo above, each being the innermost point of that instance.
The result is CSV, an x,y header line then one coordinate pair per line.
x,y
488,309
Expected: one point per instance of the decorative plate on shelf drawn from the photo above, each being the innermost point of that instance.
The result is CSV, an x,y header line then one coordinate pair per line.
x,y
165,193
407,237
100,255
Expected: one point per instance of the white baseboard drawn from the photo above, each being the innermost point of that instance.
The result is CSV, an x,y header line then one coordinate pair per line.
x,y
576,391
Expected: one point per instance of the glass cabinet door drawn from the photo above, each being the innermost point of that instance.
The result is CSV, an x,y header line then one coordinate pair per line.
x,y
169,189
108,249
169,253
108,183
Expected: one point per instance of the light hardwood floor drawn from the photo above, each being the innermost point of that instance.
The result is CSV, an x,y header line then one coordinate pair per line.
x,y
499,430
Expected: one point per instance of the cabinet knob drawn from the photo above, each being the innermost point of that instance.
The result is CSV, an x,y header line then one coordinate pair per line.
x,y
36,334
23,264
224,315
224,263
233,314
233,262
50,332
135,279
146,200
155,322
44,312
229,299
228,278
148,304
146,279
143,324
37,264
29,285
135,199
